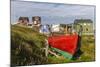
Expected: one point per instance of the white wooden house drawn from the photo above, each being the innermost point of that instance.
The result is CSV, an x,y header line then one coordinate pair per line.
x,y
55,28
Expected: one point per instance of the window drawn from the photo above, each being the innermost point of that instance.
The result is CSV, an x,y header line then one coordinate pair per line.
x,y
86,29
84,23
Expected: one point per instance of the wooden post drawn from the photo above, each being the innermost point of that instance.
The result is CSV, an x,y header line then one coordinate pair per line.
x,y
66,29
46,48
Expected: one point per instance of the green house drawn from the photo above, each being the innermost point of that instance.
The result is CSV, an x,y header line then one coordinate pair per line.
x,y
85,26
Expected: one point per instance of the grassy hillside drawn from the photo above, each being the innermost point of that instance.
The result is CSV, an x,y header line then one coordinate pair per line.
x,y
27,46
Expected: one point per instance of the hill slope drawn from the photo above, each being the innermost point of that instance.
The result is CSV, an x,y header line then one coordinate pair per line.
x,y
26,46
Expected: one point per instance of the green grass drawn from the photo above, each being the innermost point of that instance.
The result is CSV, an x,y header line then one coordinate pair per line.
x,y
27,46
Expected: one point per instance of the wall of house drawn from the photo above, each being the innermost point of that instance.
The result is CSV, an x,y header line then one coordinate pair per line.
x,y
87,28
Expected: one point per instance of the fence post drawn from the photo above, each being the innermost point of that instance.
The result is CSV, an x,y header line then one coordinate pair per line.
x,y
46,48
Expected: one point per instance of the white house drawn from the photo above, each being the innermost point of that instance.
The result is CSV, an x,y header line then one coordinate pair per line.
x,y
55,27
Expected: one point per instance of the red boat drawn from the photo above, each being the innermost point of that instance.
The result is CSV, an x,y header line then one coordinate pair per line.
x,y
67,43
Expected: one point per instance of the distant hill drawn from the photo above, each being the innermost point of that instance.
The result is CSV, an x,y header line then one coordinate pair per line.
x,y
27,46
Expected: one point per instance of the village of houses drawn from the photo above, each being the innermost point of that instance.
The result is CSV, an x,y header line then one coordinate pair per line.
x,y
85,26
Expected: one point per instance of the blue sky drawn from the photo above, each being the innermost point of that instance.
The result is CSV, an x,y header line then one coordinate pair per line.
x,y
52,13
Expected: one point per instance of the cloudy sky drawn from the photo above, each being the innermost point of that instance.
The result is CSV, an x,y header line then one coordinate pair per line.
x,y
52,13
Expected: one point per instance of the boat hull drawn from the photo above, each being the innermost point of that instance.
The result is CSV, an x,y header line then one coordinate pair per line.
x,y
67,43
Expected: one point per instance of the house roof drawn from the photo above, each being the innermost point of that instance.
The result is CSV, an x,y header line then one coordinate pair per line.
x,y
83,21
24,18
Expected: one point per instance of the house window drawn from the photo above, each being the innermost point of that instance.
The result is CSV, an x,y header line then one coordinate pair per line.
x,y
86,29
84,23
